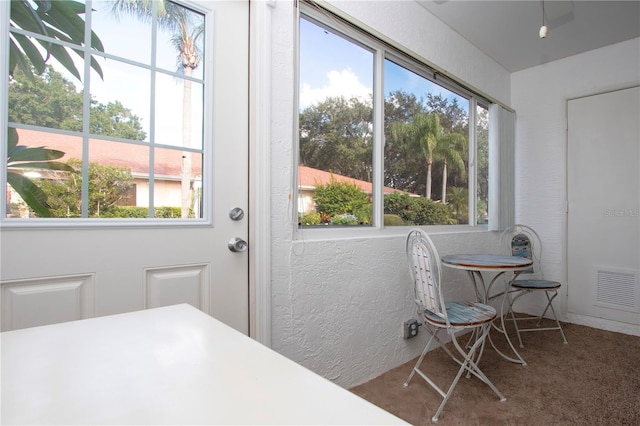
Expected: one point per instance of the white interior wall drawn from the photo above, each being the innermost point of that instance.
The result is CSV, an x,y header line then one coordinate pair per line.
x,y
337,302
540,95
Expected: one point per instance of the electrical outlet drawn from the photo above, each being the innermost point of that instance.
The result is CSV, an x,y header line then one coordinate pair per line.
x,y
410,329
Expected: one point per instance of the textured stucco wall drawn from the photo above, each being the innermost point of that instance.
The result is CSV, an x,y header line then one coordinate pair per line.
x,y
338,302
339,306
540,95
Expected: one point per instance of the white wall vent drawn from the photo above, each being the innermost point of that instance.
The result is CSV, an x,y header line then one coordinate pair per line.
x,y
618,289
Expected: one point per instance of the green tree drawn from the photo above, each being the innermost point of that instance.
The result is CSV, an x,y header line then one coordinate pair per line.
x,y
459,201
424,132
451,149
403,165
421,132
47,100
453,120
453,117
482,155
108,185
114,119
50,100
336,135
342,198
187,34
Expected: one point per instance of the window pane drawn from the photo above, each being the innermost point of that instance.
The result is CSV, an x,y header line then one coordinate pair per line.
x,y
59,179
112,168
134,43
426,151
336,129
179,114
177,183
52,99
189,24
482,154
121,102
136,94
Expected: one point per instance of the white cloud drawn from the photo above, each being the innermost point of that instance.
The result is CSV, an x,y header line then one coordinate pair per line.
x,y
340,83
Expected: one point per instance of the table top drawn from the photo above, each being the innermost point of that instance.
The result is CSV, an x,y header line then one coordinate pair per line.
x,y
171,365
486,262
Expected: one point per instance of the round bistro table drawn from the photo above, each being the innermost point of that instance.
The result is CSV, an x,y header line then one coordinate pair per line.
x,y
475,265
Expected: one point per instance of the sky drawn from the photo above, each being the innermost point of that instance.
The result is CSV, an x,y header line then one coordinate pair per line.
x,y
128,37
331,65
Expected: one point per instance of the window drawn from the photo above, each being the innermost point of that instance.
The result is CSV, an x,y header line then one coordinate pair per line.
x,y
428,132
106,121
336,128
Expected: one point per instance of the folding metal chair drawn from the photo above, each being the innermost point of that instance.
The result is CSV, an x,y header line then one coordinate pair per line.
x,y
522,240
449,317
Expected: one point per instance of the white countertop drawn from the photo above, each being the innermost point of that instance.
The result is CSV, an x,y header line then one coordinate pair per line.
x,y
171,365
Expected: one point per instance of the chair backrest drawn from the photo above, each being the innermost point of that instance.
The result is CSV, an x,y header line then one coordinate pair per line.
x,y
523,241
425,268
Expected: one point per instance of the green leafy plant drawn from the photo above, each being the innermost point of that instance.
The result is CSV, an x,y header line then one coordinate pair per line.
x,y
345,219
416,210
60,20
38,158
108,185
339,197
393,220
309,219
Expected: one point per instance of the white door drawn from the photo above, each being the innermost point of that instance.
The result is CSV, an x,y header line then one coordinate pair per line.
x,y
68,272
604,206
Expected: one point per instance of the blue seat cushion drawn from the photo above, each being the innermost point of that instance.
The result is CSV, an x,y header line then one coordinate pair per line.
x,y
535,284
463,314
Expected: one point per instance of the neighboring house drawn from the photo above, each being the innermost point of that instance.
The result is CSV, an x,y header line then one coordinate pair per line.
x,y
309,178
167,169
167,165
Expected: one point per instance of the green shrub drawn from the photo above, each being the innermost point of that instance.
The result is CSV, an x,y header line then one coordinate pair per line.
x,y
427,212
170,212
393,220
397,203
336,198
345,219
308,219
126,212
417,210
142,212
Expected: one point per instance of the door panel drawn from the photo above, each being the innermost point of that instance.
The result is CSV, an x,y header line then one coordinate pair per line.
x,y
72,272
604,206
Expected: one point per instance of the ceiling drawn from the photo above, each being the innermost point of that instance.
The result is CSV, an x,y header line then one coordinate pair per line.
x,y
507,31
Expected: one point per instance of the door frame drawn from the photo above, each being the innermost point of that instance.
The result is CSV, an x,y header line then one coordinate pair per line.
x,y
260,170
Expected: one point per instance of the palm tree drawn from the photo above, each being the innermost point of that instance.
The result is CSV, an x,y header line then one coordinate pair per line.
x,y
450,149
425,131
422,131
186,35
459,200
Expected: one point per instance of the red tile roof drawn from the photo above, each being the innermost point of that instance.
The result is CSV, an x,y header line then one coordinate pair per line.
x,y
309,178
134,157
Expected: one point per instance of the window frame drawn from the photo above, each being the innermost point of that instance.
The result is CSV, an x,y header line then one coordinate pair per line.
x,y
206,151
382,51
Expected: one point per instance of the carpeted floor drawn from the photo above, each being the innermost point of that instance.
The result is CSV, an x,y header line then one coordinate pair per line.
x,y
593,380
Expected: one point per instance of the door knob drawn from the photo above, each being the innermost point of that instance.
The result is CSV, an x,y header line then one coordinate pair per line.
x,y
237,244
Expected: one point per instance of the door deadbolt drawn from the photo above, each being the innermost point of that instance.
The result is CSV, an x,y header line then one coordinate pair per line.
x,y
236,213
237,244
